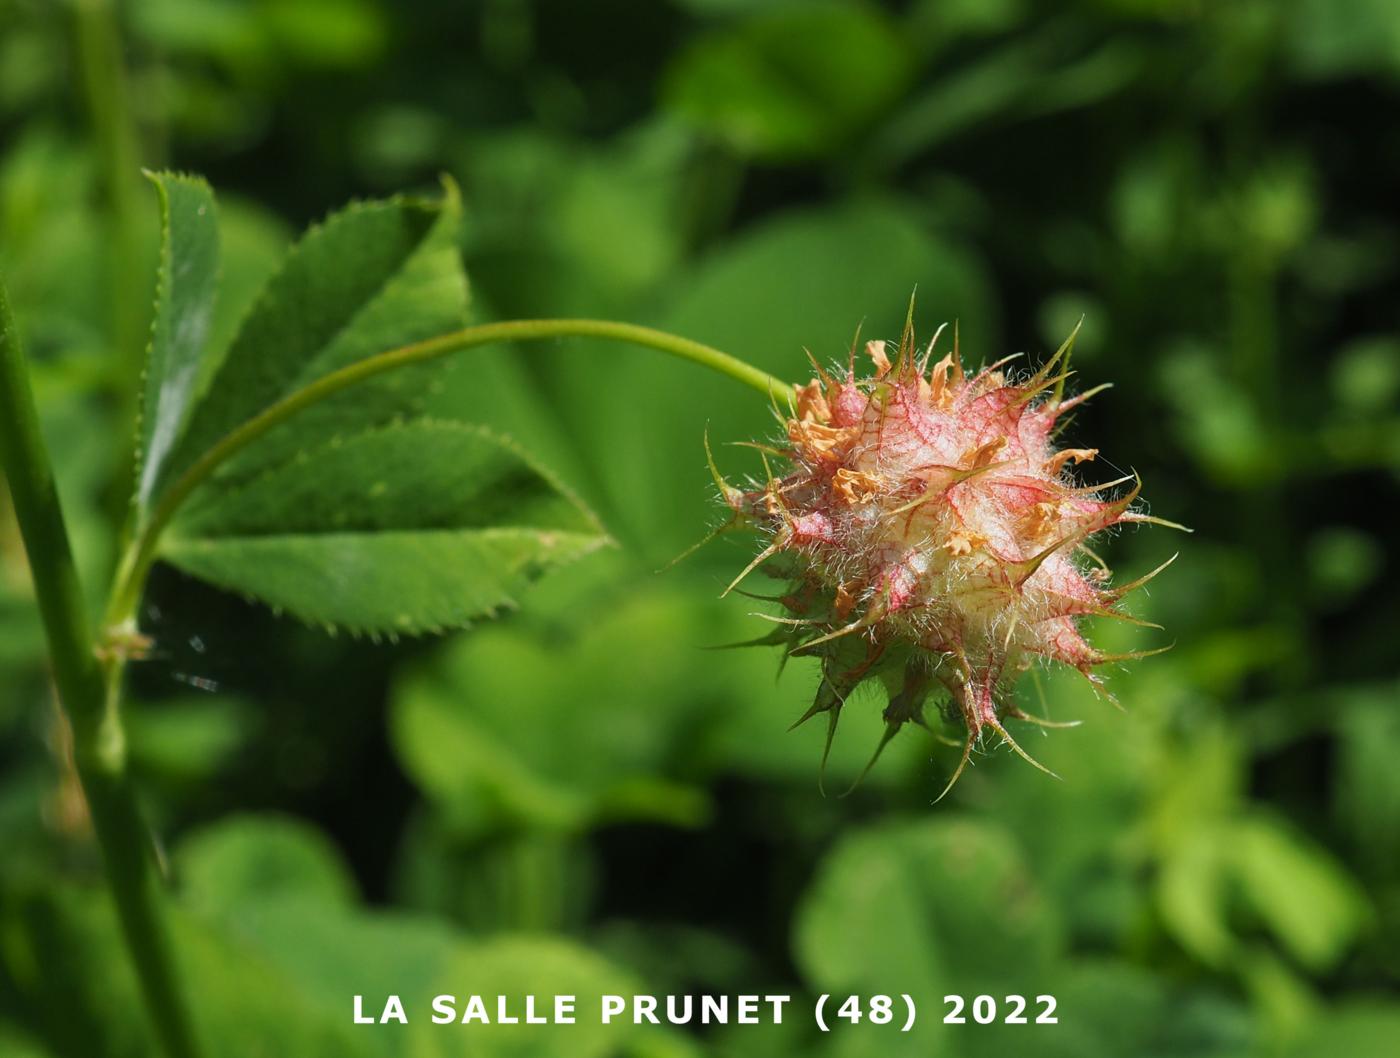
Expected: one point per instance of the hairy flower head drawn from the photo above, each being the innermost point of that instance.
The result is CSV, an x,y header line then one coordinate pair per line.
x,y
934,537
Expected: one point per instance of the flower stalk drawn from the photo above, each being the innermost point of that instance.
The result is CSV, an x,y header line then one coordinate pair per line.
x,y
136,565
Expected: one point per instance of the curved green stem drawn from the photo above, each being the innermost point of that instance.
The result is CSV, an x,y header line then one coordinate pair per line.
x,y
99,749
131,577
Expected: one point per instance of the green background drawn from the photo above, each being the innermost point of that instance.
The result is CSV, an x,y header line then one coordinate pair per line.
x,y
580,796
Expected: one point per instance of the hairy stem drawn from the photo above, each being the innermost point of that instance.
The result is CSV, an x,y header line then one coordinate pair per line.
x,y
131,577
99,748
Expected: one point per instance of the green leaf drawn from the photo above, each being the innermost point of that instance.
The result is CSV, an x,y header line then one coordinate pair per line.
x,y
1334,41
405,528
343,515
13,1045
506,726
77,991
927,907
1358,1028
373,277
81,996
244,859
1368,783
1304,896
794,82
531,881
1191,895
275,973
253,241
187,739
927,897
323,956
1110,1008
187,283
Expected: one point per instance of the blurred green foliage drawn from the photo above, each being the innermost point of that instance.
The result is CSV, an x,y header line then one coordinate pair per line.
x,y
582,797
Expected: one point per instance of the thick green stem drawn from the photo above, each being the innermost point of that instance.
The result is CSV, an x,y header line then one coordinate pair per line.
x,y
99,748
131,577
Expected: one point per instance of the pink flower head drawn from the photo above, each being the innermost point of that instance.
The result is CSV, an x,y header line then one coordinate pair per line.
x,y
934,535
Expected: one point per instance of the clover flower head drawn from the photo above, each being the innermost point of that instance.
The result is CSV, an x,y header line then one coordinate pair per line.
x,y
934,537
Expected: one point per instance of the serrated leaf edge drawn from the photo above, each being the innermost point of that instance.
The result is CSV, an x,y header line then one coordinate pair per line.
x,y
156,177
451,201
172,534
589,542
